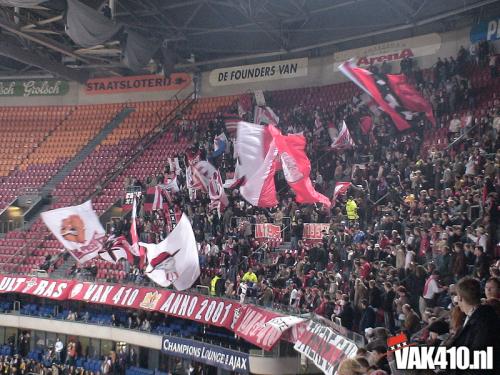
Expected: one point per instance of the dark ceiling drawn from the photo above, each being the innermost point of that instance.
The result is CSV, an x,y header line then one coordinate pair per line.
x,y
208,33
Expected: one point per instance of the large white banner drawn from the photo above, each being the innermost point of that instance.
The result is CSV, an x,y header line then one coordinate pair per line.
x,y
397,50
259,72
78,228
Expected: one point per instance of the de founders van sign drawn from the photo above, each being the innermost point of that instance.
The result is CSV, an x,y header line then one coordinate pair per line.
x,y
34,87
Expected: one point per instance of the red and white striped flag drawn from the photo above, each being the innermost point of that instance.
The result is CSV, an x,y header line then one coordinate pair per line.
x,y
344,139
340,189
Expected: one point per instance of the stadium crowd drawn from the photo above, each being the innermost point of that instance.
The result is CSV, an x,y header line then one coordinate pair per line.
x,y
414,224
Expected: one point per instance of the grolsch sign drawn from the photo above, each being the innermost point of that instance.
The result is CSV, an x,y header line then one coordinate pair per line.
x,y
35,87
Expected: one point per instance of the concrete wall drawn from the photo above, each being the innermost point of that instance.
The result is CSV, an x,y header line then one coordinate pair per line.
x,y
258,364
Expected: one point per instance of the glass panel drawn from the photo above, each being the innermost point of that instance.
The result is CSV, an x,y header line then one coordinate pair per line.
x,y
106,347
39,338
85,342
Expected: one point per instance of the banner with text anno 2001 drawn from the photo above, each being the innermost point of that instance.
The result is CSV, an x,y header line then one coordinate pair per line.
x,y
213,311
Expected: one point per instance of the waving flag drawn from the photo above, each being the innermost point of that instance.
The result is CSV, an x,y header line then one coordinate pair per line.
x,y
220,144
154,198
175,259
391,93
256,152
340,189
297,167
78,229
116,248
409,97
217,194
344,139
265,115
231,122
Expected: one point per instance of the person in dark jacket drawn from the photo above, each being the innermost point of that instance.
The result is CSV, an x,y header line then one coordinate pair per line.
x,y
374,295
388,306
481,326
368,316
347,314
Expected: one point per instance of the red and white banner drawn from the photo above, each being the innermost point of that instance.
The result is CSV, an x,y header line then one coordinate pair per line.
x,y
254,325
325,347
297,166
340,189
36,286
78,229
174,261
268,230
198,308
312,231
256,152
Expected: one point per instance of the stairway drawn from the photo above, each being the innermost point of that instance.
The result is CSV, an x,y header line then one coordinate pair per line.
x,y
62,271
85,151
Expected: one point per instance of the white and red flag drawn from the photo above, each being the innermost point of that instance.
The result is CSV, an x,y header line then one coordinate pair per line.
x,y
78,229
297,166
174,261
340,189
265,115
231,122
256,152
116,248
343,140
392,93
218,197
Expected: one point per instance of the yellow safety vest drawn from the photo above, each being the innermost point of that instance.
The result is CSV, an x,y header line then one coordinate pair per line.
x,y
213,283
351,207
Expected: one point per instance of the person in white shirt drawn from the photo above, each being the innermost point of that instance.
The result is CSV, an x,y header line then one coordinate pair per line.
x,y
431,289
58,346
293,296
480,239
